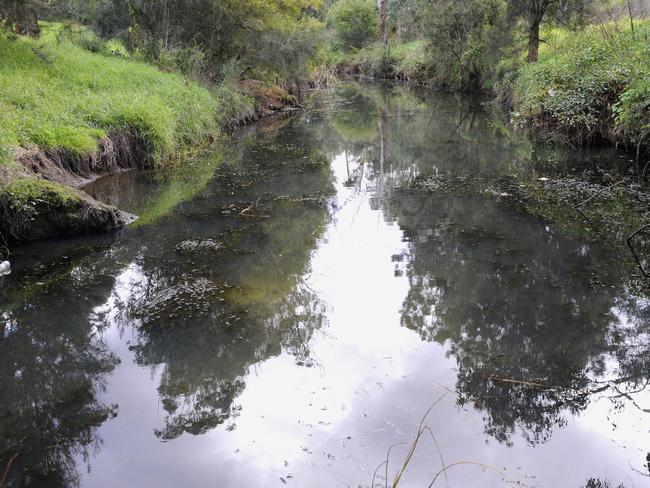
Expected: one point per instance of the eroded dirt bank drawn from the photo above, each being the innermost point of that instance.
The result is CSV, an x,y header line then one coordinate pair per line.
x,y
40,196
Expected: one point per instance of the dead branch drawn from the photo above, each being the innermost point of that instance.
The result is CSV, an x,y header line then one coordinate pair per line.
x,y
636,256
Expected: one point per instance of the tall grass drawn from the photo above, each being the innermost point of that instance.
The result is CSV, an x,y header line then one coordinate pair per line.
x,y
56,94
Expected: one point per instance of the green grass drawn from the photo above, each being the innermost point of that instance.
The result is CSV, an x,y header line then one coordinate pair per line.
x,y
56,94
26,191
590,82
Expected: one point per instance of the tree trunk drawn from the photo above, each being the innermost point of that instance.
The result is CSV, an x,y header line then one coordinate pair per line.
x,y
383,149
383,14
533,39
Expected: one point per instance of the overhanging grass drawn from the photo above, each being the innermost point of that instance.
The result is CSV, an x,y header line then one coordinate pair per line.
x,y
54,94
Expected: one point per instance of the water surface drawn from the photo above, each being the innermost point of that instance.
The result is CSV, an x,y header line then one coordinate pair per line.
x,y
285,313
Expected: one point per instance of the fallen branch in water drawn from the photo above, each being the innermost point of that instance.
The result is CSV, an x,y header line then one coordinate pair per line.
x,y
600,192
6,472
636,257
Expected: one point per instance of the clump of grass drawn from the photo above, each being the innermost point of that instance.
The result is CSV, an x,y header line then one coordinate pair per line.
x,y
26,191
423,429
591,86
56,94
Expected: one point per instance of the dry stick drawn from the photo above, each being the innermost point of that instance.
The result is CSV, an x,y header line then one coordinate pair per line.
x,y
374,475
629,11
442,461
594,227
6,473
487,466
636,257
599,192
407,460
517,382
415,441
388,457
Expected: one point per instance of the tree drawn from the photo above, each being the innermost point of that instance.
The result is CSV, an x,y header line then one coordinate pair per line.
x,y
383,14
21,15
355,23
534,11
458,34
267,37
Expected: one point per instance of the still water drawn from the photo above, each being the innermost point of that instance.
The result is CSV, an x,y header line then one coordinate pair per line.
x,y
285,313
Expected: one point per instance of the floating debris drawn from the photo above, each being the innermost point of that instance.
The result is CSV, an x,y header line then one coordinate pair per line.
x,y
198,245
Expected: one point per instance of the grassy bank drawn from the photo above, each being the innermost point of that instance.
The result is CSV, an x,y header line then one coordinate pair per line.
x,y
57,95
590,86
72,107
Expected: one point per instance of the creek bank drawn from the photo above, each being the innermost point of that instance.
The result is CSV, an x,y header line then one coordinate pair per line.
x,y
32,209
40,196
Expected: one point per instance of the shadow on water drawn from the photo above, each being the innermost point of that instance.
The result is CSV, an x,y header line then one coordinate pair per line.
x,y
214,280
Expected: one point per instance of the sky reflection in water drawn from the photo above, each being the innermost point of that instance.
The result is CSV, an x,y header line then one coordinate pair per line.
x,y
295,315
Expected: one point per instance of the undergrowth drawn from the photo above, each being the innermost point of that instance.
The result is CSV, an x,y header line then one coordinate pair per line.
x,y
590,86
400,61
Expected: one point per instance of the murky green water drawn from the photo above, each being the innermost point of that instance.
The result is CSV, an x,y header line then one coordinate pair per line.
x,y
283,314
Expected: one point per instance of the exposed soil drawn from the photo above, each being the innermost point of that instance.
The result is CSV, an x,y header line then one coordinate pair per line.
x,y
119,151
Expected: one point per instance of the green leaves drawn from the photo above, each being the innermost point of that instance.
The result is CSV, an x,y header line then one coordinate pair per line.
x,y
355,23
590,87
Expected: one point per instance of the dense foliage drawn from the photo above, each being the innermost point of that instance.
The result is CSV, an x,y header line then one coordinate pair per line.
x,y
592,87
589,83
354,23
269,38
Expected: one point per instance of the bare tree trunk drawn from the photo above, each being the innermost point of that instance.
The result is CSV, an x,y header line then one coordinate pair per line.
x,y
533,39
537,9
629,11
383,14
21,17
383,149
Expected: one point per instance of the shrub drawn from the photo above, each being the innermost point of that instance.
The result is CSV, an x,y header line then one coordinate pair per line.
x,y
407,62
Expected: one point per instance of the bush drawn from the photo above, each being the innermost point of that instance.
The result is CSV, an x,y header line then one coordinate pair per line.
x,y
459,35
407,62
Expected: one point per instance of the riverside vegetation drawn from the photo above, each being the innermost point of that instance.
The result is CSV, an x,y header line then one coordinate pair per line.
x,y
146,84
75,107
291,291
